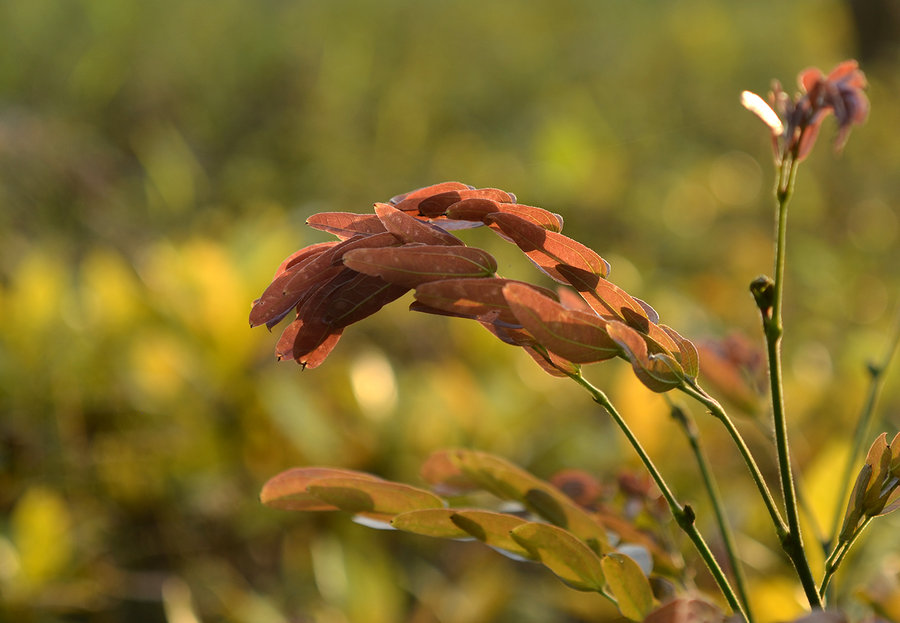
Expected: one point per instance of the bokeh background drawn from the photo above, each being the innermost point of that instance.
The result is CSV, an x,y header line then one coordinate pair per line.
x,y
157,161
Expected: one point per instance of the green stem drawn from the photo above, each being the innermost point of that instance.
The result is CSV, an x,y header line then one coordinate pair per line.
x,y
837,556
684,515
876,382
717,411
690,430
792,543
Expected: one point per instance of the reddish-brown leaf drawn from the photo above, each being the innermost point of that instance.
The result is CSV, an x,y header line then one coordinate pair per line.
x,y
297,257
477,209
347,298
605,297
548,249
472,297
289,289
686,354
436,205
345,224
303,277
576,336
317,356
413,265
427,191
552,364
410,229
660,372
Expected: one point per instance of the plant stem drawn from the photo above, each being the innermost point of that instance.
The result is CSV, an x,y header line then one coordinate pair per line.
x,y
684,515
717,411
876,382
792,543
837,556
690,430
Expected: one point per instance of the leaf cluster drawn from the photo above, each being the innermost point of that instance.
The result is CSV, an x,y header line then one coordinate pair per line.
x,y
407,244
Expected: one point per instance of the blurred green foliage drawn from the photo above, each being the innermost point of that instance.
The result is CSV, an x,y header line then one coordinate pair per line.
x,y
157,160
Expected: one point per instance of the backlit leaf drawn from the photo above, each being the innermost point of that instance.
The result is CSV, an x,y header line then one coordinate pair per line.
x,y
563,553
628,585
307,275
346,298
410,201
376,499
659,372
436,205
410,229
492,529
687,354
548,249
551,363
605,297
477,209
576,336
346,224
434,522
412,265
473,297
443,473
287,490
298,256
508,481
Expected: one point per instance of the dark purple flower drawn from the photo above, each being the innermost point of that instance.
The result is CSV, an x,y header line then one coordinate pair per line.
x,y
795,122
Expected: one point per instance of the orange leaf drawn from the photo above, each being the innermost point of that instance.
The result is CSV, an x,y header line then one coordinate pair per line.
x,y
287,490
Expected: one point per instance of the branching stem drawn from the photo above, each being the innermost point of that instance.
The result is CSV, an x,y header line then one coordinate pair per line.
x,y
683,514
792,542
690,431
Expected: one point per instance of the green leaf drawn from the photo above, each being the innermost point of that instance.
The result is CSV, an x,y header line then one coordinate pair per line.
x,y
412,265
577,336
563,553
288,490
433,522
510,482
629,585
548,249
375,499
493,529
